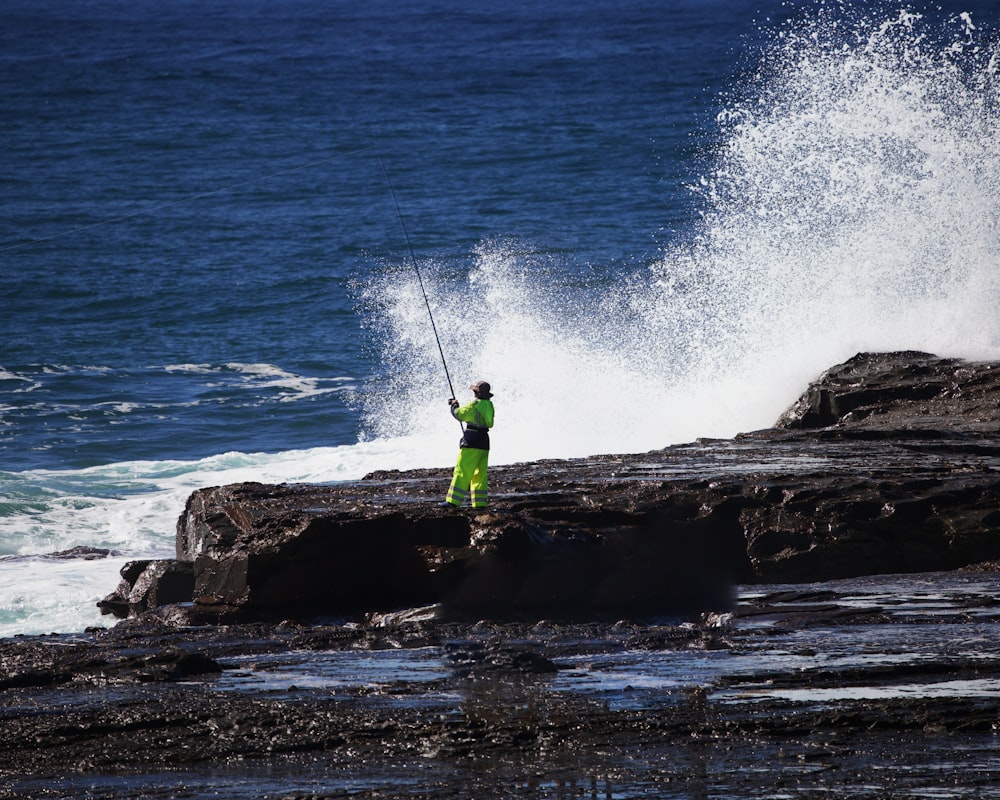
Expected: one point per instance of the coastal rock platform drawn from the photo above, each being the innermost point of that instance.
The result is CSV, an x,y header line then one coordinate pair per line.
x,y
811,610
888,463
873,687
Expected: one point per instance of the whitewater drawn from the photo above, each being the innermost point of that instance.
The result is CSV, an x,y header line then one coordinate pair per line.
x,y
852,204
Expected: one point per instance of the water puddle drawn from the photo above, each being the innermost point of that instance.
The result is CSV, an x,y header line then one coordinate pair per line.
x,y
365,671
867,639
985,687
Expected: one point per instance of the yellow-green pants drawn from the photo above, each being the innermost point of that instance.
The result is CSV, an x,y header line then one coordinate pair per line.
x,y
469,479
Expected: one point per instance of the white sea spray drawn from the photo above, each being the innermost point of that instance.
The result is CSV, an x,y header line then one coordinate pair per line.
x,y
852,205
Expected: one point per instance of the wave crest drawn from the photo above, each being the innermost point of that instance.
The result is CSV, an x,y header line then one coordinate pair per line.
x,y
851,205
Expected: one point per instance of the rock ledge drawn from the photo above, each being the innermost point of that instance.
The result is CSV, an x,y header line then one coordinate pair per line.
x,y
887,463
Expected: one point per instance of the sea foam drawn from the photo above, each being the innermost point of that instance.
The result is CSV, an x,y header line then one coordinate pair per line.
x,y
851,205
131,509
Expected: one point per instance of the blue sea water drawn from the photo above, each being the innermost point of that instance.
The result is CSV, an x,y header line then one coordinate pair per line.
x,y
642,221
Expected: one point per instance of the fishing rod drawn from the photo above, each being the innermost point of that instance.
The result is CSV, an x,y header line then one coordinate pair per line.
x,y
416,268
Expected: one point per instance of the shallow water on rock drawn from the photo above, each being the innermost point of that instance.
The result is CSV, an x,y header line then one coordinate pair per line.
x,y
869,632
869,688
332,670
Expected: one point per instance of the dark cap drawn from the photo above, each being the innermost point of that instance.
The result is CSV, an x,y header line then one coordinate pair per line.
x,y
482,389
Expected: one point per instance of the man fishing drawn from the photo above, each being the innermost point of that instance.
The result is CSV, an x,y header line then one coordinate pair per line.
x,y
474,449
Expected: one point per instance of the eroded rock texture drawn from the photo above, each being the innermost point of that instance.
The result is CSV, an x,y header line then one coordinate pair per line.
x,y
888,463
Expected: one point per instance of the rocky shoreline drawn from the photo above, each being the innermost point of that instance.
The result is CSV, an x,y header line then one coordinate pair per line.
x,y
805,609
886,464
866,688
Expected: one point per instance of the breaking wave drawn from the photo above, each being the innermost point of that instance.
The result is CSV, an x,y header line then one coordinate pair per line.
x,y
851,205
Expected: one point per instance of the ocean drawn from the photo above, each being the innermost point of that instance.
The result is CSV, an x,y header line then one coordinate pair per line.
x,y
643,222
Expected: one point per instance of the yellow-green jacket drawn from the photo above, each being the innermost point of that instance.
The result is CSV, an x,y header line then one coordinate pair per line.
x,y
478,418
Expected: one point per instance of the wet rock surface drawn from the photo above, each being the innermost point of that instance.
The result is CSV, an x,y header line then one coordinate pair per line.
x,y
807,611
870,687
902,477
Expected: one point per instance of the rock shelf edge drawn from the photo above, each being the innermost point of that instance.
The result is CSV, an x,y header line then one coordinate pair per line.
x,y
888,463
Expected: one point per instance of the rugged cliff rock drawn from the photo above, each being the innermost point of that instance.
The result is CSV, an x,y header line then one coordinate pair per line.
x,y
889,392
888,463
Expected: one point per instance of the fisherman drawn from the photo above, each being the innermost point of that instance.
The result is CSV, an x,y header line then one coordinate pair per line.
x,y
474,449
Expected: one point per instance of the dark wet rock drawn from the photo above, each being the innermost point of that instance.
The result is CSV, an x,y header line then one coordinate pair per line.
x,y
84,553
887,463
375,545
479,660
147,584
880,687
80,552
50,662
902,391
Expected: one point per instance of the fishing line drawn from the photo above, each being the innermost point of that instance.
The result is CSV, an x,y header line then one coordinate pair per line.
x,y
183,200
416,268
